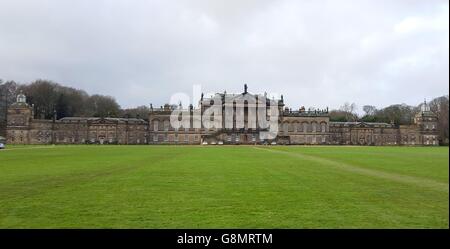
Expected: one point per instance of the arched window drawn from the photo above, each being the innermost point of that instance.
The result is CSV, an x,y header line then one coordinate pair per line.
x,y
285,127
299,127
324,127
291,127
155,125
305,127
296,127
314,127
166,125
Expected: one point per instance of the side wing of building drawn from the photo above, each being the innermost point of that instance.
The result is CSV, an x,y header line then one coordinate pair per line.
x,y
22,128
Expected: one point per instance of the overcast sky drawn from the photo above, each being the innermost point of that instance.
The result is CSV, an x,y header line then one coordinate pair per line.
x,y
316,53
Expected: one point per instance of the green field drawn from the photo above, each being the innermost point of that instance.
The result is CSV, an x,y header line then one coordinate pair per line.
x,y
224,187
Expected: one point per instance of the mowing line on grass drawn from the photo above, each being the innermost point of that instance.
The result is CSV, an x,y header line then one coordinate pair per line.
x,y
35,147
57,146
419,181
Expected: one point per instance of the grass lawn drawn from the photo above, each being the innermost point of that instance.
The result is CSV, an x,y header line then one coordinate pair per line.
x,y
224,187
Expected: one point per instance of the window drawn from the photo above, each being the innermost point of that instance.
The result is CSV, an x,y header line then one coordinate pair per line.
x,y
314,127
155,125
166,125
305,127
291,127
296,127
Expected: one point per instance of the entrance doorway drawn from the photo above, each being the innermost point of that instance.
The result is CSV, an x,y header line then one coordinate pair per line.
x,y
101,139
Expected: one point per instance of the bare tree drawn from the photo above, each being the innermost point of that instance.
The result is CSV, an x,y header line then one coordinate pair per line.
x,y
349,110
440,107
370,110
8,91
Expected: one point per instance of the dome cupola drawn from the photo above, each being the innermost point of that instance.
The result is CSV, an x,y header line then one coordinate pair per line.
x,y
21,98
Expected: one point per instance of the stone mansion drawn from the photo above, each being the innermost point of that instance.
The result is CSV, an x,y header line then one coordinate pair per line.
x,y
294,127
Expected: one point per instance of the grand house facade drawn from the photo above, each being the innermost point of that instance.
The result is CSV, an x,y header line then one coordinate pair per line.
x,y
294,126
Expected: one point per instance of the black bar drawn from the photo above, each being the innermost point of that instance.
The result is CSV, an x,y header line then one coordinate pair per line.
x,y
280,238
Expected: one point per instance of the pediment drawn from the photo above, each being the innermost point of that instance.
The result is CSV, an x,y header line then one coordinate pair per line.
x,y
362,125
102,121
246,96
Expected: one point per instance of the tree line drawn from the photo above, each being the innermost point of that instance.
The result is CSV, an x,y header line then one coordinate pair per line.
x,y
49,97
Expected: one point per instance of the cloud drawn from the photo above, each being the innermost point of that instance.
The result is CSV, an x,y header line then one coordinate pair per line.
x,y
438,22
316,53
